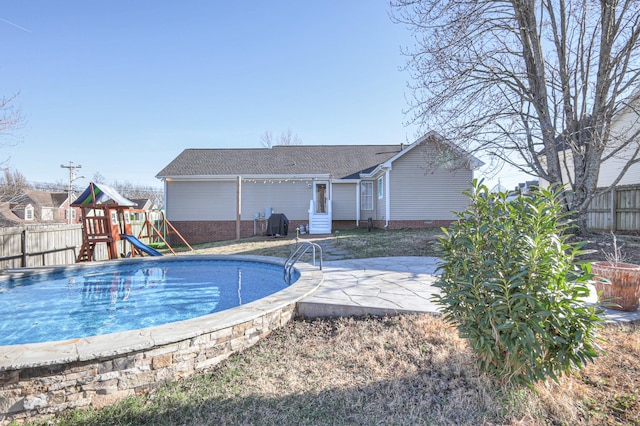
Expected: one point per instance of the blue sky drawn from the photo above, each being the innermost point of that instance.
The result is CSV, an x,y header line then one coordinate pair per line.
x,y
123,87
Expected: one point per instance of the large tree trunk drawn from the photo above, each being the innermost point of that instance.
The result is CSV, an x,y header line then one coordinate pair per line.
x,y
532,83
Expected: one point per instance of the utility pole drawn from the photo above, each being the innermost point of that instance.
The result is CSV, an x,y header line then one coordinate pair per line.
x,y
72,178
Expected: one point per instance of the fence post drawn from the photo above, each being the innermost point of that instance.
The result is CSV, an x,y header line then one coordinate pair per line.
x,y
23,239
614,209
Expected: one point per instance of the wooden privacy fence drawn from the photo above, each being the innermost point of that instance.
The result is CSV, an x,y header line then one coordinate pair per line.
x,y
615,210
44,245
39,245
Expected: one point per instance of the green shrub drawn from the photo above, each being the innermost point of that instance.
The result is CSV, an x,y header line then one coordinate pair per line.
x,y
512,286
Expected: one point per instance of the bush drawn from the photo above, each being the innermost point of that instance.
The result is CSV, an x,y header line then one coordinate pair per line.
x,y
512,286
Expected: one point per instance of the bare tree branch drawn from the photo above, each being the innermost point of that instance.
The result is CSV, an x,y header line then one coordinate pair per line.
x,y
12,185
267,139
534,83
286,138
11,119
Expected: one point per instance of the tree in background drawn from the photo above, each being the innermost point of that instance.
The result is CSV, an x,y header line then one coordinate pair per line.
x,y
12,184
126,189
286,138
11,119
98,178
531,83
135,191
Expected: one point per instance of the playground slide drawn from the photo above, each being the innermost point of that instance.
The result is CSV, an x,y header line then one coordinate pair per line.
x,y
140,245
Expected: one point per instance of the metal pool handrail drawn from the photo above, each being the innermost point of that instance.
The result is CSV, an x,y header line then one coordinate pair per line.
x,y
297,254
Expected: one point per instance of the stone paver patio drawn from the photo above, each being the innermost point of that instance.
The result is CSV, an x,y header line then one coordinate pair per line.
x,y
386,286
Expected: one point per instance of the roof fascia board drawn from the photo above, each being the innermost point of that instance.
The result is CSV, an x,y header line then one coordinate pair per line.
x,y
473,161
387,164
345,180
235,177
286,176
381,168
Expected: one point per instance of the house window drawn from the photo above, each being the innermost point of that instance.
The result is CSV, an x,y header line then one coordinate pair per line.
x,y
366,195
47,213
321,197
28,212
73,213
380,186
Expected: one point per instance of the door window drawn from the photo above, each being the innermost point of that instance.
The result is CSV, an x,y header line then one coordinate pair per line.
x,y
321,197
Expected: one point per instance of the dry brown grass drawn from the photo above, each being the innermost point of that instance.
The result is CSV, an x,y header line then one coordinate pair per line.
x,y
605,392
403,370
354,244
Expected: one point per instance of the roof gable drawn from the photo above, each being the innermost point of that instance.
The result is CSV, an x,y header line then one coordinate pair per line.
x,y
59,198
142,203
40,198
433,137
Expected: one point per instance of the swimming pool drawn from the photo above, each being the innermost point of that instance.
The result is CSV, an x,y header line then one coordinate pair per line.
x,y
91,301
39,379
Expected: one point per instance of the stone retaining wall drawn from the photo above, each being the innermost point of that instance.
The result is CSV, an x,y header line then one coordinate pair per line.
x,y
41,391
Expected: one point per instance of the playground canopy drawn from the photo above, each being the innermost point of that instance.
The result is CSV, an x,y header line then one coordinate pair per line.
x,y
98,192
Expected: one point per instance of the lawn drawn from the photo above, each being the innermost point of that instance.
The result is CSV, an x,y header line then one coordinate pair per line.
x,y
404,370
356,244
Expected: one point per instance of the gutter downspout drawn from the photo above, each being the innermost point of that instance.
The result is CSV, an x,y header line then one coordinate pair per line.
x,y
358,204
238,206
387,201
164,202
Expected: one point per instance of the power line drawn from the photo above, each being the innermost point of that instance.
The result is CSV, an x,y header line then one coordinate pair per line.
x,y
72,177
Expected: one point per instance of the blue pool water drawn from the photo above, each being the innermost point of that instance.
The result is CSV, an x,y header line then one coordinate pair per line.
x,y
106,299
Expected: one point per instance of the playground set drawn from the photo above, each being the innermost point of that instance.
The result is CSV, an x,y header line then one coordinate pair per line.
x,y
106,217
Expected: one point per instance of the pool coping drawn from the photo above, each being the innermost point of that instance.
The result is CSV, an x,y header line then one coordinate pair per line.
x,y
32,355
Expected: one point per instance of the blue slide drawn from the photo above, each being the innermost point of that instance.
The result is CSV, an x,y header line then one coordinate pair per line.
x,y
140,246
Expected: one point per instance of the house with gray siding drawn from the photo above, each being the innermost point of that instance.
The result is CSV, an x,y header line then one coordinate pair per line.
x,y
622,150
220,194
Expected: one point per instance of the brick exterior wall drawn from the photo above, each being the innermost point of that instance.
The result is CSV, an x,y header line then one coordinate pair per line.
x,y
198,232
202,231
341,225
410,224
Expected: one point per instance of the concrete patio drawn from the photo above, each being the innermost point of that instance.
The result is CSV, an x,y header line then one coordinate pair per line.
x,y
386,286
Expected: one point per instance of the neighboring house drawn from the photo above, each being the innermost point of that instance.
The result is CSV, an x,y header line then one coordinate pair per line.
x,y
624,126
36,206
9,218
149,208
142,203
526,187
211,194
523,188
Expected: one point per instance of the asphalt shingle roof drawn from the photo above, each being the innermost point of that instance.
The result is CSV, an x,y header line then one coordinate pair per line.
x,y
339,161
40,198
